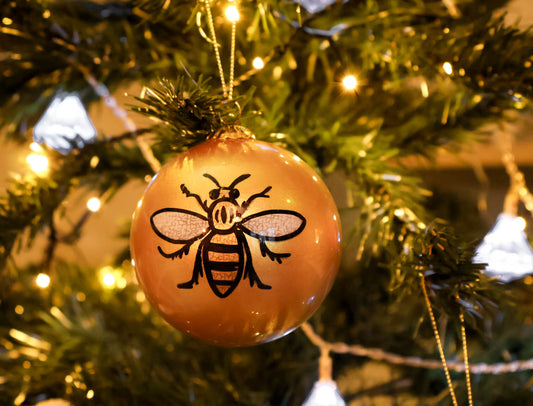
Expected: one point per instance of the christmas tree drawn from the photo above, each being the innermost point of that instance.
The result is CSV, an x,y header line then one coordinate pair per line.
x,y
410,111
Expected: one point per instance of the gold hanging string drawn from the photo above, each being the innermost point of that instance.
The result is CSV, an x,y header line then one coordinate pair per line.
x,y
232,58
439,342
211,25
465,356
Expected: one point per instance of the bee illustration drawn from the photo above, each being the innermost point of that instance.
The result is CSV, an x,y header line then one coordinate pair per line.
x,y
223,254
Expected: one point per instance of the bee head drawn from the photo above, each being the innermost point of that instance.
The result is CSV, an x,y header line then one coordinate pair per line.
x,y
225,192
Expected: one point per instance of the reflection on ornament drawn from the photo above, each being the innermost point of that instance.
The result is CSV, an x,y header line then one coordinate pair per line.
x,y
324,393
506,250
65,125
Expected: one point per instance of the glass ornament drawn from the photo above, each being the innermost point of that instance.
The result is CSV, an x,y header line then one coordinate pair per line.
x,y
506,249
324,393
236,241
65,124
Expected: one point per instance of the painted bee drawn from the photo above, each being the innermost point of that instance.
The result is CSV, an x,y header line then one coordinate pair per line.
x,y
223,254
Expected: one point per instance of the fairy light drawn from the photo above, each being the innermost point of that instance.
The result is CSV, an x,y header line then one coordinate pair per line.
x,y
349,82
447,66
258,63
38,163
232,13
35,147
94,204
42,280
109,280
424,89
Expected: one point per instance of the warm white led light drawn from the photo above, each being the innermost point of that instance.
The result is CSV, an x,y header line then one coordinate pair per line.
x,y
93,204
349,82
35,147
232,14
447,66
42,280
424,88
38,163
109,279
258,63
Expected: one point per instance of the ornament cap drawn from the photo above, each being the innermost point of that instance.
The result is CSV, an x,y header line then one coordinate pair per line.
x,y
234,132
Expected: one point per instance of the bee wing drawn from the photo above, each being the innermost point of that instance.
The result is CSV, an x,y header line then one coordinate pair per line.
x,y
274,225
179,226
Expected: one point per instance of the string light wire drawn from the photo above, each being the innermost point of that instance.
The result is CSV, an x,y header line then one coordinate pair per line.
x,y
103,92
378,354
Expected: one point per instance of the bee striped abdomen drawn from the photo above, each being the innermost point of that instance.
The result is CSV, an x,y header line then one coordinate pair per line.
x,y
223,263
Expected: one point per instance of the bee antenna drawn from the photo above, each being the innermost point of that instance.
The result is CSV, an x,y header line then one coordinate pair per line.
x,y
238,180
212,179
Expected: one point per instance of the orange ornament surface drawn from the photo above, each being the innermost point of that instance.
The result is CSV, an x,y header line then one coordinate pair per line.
x,y
236,241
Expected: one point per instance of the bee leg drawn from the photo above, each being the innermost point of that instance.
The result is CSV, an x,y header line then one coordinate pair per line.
x,y
249,271
253,278
272,255
257,195
187,193
179,253
196,273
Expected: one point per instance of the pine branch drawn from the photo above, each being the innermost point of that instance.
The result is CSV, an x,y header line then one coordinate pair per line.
x,y
188,112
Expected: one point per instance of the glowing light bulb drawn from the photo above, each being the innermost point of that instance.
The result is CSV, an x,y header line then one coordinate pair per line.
x,y
506,250
324,393
42,280
35,147
93,204
232,14
349,82
258,63
109,280
447,66
424,89
38,163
